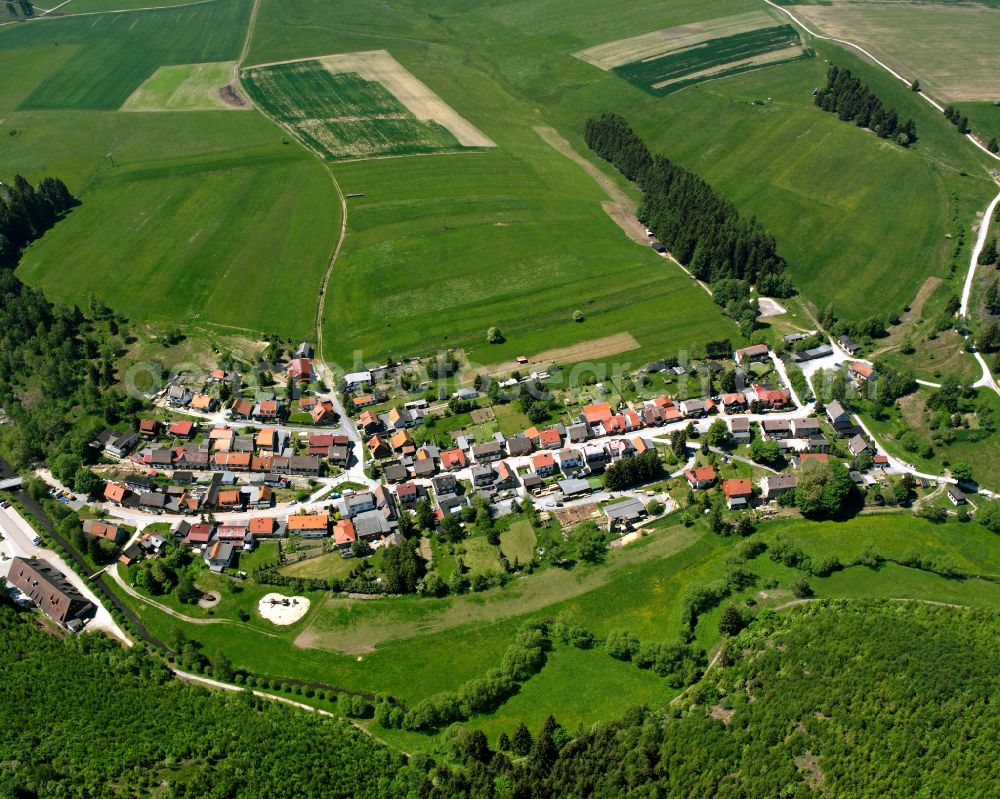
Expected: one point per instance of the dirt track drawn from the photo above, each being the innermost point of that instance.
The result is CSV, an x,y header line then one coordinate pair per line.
x,y
584,351
620,207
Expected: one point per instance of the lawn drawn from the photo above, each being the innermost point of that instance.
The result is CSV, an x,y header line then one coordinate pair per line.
x,y
518,541
579,687
534,224
110,55
640,588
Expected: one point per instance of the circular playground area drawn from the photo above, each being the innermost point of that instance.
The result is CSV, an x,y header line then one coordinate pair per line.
x,y
283,610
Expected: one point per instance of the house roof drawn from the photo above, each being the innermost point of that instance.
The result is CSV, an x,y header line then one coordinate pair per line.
x,y
549,437
261,525
542,460
597,412
368,419
737,487
343,532
400,440
265,437
201,402
181,428
242,407
751,351
114,492
862,369
701,474
452,457
198,534
316,521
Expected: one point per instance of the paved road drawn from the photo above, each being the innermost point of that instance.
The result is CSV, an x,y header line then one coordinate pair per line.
x,y
17,542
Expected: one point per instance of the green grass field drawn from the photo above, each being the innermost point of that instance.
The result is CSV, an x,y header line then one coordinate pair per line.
x,y
342,116
110,55
717,58
178,240
187,87
817,194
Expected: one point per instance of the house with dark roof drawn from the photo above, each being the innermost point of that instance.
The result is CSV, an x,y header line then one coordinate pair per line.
x,y
773,485
848,344
49,589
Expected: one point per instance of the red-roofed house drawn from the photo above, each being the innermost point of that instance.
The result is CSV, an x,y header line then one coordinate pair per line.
x,y
344,534
369,422
114,492
738,491
300,370
242,409
597,413
407,495
543,463
614,425
198,534
378,447
860,373
700,477
323,413
181,429
549,439
452,459
757,352
148,428
262,526
734,403
772,398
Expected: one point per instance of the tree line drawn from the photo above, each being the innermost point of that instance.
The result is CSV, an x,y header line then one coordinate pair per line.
x,y
853,101
702,230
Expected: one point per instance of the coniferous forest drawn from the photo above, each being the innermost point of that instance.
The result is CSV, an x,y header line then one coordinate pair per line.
x,y
852,100
701,229
57,372
832,699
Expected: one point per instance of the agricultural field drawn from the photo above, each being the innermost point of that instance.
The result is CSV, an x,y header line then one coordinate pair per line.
x,y
949,46
363,105
103,58
186,87
816,196
172,240
668,60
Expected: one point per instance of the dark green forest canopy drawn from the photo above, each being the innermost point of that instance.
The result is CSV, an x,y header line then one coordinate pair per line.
x,y
831,699
701,229
84,717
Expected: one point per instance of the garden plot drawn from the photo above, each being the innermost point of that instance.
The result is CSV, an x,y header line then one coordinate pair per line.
x,y
359,105
665,61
